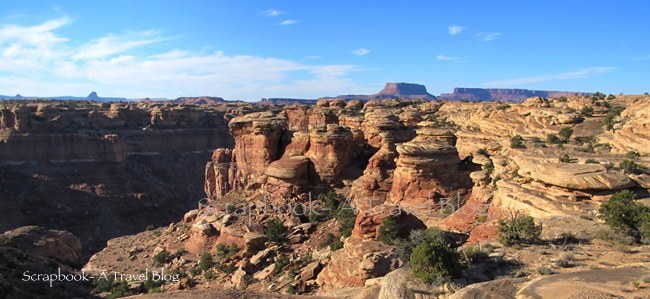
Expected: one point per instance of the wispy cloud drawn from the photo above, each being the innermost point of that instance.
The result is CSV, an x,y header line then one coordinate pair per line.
x,y
578,74
114,44
455,29
360,51
488,37
271,12
37,60
288,22
443,57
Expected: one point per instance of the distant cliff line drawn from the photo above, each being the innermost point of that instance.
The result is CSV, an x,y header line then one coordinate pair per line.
x,y
503,94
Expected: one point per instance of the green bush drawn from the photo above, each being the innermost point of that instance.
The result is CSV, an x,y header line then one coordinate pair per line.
x,y
275,231
565,134
225,268
632,155
517,142
388,230
565,159
472,254
591,161
434,262
482,151
206,262
625,216
208,275
629,166
329,238
417,237
280,263
503,107
536,140
587,111
519,229
161,258
226,251
553,139
488,168
345,218
336,244
610,117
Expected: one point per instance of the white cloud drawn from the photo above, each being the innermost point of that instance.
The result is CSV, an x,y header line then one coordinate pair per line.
x,y
455,29
112,44
116,65
273,12
360,51
443,57
578,74
288,22
487,37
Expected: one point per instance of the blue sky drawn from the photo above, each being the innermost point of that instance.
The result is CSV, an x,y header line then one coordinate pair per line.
x,y
308,49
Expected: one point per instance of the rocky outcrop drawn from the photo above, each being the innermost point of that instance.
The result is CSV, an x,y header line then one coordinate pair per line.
x,y
427,167
287,176
55,244
573,176
257,142
221,174
329,150
357,262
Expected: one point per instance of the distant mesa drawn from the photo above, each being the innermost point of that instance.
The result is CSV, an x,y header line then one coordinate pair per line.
x,y
404,91
503,94
92,96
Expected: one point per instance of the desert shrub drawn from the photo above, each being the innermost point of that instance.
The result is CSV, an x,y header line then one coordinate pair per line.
x,y
433,262
472,253
553,139
536,140
614,237
565,134
544,270
565,260
206,262
519,229
195,270
208,275
388,230
587,111
610,117
482,151
503,107
151,285
345,218
625,216
226,251
336,244
565,159
416,237
589,139
488,168
291,289
562,99
629,166
632,155
150,227
591,161
161,258
281,262
225,268
517,142
275,231
328,240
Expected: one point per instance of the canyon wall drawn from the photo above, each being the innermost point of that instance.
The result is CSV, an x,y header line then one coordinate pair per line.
x,y
101,170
